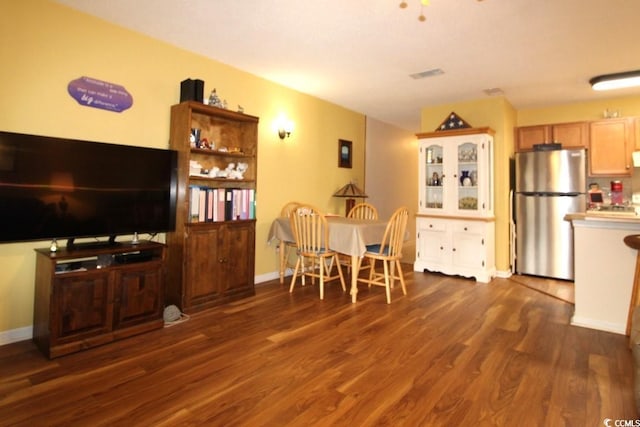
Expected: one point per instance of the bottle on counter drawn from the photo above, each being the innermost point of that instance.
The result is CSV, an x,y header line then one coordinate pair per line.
x,y
616,193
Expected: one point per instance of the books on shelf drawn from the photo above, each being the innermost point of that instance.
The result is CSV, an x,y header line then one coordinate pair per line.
x,y
208,204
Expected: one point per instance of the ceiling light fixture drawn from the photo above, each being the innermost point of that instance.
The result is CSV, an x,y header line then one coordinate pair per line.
x,y
423,3
616,80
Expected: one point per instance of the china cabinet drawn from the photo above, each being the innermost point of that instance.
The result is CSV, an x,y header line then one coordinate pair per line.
x,y
211,253
455,224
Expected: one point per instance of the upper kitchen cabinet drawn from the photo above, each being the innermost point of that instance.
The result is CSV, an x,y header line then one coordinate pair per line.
x,y
611,144
570,135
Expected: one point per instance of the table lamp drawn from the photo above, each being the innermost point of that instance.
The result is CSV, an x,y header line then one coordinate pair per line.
x,y
350,192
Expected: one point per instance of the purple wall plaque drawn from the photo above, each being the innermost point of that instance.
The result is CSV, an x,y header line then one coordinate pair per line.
x,y
98,94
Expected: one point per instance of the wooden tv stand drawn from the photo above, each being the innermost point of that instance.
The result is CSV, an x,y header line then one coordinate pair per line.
x,y
91,296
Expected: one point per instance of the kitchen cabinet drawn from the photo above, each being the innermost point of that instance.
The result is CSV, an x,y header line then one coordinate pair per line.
x,y
611,143
88,297
570,135
211,253
455,225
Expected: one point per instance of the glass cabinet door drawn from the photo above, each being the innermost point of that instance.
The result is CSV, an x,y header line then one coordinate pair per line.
x,y
467,174
434,176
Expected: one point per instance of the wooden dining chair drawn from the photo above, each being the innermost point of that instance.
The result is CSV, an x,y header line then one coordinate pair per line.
x,y
315,259
359,211
287,248
389,251
363,211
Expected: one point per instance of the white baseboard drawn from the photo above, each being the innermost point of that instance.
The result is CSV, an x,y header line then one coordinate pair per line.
x,y
272,276
15,335
503,274
599,325
266,277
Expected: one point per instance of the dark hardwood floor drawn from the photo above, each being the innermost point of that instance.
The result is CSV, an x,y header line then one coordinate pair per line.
x,y
561,289
450,353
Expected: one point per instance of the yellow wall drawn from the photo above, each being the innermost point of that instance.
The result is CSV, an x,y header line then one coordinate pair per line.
x,y
46,45
499,115
580,111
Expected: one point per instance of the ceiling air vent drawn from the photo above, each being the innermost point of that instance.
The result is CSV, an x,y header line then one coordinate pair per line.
x,y
494,91
428,73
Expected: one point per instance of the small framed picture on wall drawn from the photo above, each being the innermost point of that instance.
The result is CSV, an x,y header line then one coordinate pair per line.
x,y
344,153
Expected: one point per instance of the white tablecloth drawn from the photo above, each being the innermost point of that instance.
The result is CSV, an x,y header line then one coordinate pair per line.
x,y
348,236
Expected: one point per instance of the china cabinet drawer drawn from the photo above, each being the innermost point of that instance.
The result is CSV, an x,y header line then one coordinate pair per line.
x,y
435,224
468,227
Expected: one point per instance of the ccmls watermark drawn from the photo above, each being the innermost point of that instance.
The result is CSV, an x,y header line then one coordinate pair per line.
x,y
608,422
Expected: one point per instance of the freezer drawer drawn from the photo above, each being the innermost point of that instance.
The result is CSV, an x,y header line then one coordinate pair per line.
x,y
544,240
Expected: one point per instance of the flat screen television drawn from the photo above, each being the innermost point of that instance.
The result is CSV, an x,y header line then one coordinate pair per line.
x,y
59,188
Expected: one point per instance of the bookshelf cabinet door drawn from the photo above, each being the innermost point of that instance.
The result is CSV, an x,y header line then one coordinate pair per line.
x,y
203,264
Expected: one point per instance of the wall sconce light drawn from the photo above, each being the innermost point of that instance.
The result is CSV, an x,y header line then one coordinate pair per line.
x,y
285,129
616,81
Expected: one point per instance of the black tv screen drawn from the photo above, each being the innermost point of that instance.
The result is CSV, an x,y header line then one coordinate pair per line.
x,y
57,188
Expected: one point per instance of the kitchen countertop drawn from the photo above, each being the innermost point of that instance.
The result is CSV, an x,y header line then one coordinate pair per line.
x,y
608,217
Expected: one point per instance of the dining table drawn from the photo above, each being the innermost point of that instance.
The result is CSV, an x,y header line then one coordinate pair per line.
x,y
348,236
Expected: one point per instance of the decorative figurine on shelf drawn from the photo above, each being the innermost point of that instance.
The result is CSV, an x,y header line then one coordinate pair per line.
x,y
465,180
194,137
474,177
240,109
236,171
230,170
194,167
214,99
241,168
435,179
214,172
204,143
224,173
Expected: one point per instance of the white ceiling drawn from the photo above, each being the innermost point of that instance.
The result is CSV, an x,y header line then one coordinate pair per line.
x,y
359,53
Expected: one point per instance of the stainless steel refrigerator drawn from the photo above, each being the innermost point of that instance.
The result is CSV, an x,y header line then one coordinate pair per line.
x,y
548,185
